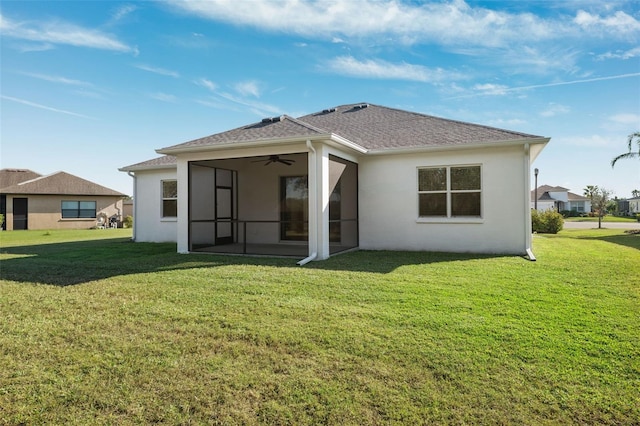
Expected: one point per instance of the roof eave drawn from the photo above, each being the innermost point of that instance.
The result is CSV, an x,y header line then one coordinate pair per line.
x,y
433,148
147,167
243,144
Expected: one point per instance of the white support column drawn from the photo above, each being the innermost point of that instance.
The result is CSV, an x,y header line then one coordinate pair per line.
x,y
323,194
183,206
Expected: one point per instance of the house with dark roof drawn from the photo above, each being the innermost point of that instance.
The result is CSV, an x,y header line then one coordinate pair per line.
x,y
60,200
354,176
559,199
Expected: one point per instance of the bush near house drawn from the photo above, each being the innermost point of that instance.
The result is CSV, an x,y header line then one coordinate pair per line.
x,y
1,219
127,222
547,222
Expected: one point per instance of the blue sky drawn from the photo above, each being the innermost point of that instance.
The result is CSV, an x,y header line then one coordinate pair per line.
x,y
91,86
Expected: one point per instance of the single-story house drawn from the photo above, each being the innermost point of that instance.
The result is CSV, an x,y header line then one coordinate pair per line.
x,y
559,199
634,205
60,200
354,176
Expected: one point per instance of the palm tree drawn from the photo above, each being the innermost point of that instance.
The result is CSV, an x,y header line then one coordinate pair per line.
x,y
632,137
591,191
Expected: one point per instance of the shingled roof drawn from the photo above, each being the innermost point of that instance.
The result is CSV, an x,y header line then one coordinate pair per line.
x,y
9,177
166,161
60,183
372,127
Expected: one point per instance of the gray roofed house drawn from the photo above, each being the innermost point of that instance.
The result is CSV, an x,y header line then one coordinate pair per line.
x,y
559,199
59,200
353,176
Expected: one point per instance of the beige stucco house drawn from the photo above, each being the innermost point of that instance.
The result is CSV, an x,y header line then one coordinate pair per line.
x,y
354,176
60,200
559,199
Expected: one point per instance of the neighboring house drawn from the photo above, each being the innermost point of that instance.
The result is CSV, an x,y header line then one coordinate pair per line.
x,y
559,199
634,205
60,200
356,176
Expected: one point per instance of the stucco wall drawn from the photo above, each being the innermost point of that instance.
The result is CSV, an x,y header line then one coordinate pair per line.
x,y
388,193
45,211
148,223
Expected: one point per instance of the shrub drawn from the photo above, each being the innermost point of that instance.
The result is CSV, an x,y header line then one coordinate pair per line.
x,y
127,222
1,220
547,222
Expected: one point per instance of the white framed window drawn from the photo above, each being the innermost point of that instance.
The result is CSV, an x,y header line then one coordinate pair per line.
x,y
450,191
169,198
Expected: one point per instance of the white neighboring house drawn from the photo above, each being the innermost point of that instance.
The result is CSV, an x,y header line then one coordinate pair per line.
x,y
355,176
634,205
559,199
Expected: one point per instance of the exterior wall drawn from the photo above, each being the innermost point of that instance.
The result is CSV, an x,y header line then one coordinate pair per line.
x,y
45,211
149,226
634,205
388,193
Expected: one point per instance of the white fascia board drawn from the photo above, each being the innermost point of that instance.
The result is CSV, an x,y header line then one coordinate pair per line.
x,y
243,144
150,167
418,149
339,140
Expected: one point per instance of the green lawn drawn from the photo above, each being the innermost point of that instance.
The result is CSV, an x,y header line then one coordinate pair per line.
x,y
604,219
98,330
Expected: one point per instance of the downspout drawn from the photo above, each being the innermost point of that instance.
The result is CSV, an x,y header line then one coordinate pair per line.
x,y
313,203
135,204
527,193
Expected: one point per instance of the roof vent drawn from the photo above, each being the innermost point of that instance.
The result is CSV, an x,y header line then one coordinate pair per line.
x,y
361,106
328,110
272,119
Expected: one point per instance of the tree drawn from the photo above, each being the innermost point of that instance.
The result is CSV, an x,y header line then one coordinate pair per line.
x,y
590,191
635,193
633,137
599,203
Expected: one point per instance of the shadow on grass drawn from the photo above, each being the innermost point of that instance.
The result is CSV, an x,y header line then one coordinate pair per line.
x,y
627,240
72,263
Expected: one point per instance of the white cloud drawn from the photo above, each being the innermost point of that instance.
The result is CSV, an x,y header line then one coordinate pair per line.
x,y
58,79
207,84
491,89
60,32
40,106
453,22
122,11
164,97
620,54
248,88
379,69
555,109
157,70
619,22
628,118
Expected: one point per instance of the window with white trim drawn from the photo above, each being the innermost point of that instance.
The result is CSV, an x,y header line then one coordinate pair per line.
x,y
450,191
169,198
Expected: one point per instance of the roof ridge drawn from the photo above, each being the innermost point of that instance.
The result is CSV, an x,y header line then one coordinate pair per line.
x,y
305,124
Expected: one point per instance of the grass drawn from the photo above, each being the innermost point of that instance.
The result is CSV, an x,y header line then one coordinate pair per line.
x,y
607,218
96,329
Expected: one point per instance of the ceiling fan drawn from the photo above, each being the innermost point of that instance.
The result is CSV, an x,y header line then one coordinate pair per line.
x,y
275,159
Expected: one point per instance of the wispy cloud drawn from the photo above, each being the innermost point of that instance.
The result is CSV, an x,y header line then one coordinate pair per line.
x,y
555,109
58,79
45,107
620,54
626,118
248,88
379,69
164,97
207,84
491,89
454,22
122,12
60,32
157,70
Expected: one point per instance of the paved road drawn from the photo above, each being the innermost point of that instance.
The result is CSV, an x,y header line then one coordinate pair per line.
x,y
609,225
